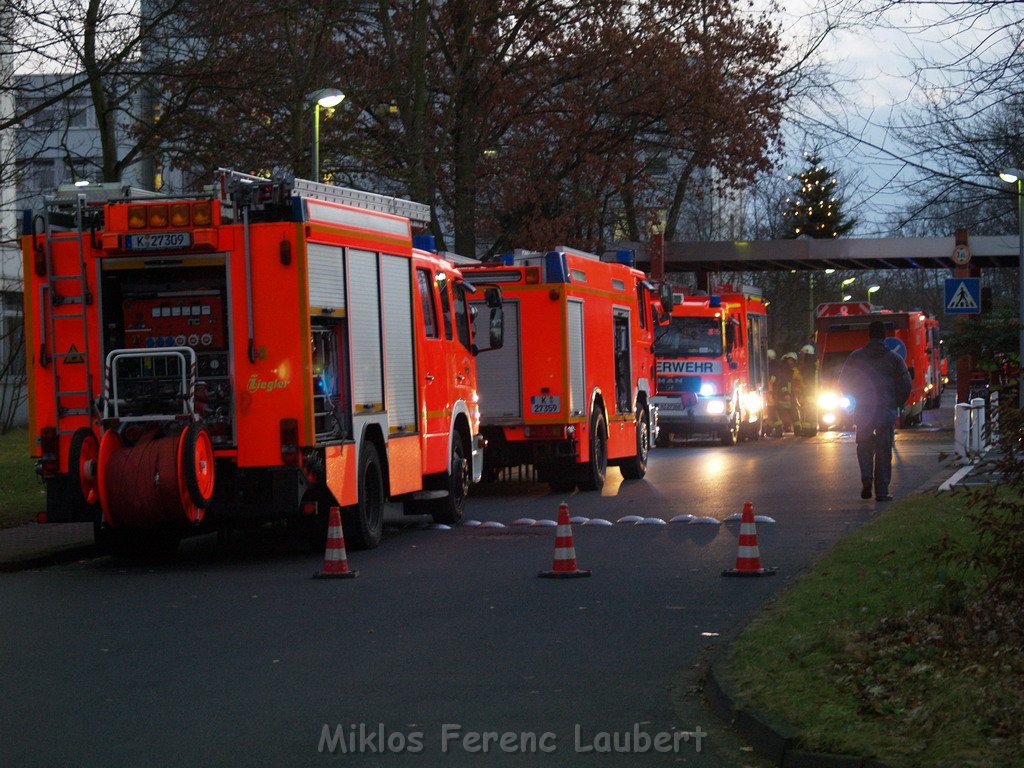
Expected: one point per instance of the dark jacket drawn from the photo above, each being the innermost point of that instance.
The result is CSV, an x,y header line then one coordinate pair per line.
x,y
879,382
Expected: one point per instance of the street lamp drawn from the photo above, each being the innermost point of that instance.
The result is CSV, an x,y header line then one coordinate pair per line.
x,y
1016,176
842,287
325,97
872,289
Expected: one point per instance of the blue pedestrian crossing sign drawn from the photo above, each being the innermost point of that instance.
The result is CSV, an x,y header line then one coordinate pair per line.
x,y
963,295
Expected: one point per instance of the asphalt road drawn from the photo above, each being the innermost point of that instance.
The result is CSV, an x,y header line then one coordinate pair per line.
x,y
233,655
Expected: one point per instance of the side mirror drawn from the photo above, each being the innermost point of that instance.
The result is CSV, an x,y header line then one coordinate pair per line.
x,y
496,322
666,297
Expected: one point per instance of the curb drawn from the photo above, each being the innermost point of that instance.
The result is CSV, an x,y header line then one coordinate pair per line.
x,y
47,559
771,739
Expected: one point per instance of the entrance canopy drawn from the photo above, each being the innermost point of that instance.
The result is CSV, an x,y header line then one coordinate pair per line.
x,y
841,253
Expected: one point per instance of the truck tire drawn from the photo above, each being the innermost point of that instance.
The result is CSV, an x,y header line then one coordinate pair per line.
x,y
197,465
82,454
364,520
451,509
635,467
594,470
728,434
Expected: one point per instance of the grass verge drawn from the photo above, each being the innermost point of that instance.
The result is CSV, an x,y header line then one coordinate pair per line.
x,y
21,493
857,655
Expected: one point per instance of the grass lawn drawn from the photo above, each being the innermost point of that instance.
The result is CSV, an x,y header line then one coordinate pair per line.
x,y
21,492
858,654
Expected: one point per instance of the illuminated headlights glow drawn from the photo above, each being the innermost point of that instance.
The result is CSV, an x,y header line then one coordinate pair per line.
x,y
716,407
845,403
754,402
828,400
707,389
829,418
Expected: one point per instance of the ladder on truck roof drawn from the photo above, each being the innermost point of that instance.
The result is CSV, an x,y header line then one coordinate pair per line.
x,y
63,299
418,213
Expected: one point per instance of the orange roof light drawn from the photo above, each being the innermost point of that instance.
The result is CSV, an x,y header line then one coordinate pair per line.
x,y
179,214
136,217
202,214
156,215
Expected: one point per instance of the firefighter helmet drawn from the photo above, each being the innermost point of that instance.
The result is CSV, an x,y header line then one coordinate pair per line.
x,y
789,356
771,354
807,349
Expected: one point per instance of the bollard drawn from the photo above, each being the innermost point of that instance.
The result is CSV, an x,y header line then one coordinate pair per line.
x,y
974,445
993,417
961,428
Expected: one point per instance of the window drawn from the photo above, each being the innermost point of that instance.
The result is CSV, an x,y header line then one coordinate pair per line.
x,y
12,339
79,114
446,305
38,175
427,303
461,314
691,336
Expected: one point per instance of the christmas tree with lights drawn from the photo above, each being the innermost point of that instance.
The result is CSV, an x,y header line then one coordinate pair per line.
x,y
815,209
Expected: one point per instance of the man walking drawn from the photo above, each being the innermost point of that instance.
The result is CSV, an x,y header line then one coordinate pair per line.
x,y
880,383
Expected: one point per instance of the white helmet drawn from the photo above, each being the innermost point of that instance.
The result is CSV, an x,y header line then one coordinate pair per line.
x,y
789,356
771,354
807,349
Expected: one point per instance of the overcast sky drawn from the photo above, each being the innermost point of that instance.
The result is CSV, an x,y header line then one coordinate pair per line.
x,y
879,65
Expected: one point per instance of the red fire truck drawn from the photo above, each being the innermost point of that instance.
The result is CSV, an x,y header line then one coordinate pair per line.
x,y
570,392
841,327
259,352
712,365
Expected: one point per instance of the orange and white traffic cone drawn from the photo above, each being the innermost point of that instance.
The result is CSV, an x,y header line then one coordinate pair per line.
x,y
564,565
335,559
748,558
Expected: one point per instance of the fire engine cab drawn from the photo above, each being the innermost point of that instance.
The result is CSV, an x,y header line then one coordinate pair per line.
x,y
259,352
570,391
712,365
841,327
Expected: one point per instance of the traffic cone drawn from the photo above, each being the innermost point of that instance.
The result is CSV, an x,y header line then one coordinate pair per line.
x,y
335,559
564,565
748,558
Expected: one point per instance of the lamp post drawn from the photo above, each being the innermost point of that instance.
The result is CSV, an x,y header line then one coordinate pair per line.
x,y
1016,176
842,288
872,289
325,97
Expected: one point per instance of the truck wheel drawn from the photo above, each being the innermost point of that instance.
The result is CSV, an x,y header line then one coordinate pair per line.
x,y
635,467
364,520
452,507
754,429
728,434
597,467
197,465
82,464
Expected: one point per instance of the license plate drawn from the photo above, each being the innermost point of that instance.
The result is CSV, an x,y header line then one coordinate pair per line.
x,y
152,241
545,404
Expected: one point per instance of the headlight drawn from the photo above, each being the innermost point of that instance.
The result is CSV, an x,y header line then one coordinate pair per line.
x,y
829,418
828,400
845,403
707,389
716,407
754,402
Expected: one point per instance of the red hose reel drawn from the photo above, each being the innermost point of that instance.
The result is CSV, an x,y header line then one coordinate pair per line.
x,y
158,480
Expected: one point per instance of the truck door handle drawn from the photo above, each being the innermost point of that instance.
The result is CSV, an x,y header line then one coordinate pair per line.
x,y
430,378
459,377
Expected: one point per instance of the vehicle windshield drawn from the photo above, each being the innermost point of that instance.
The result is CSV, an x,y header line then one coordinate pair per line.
x,y
831,365
690,336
